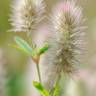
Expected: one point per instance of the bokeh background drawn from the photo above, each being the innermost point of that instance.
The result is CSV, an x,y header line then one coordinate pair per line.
x,y
13,63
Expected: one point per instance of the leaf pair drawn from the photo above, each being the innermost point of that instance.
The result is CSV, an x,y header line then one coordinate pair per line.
x,y
23,46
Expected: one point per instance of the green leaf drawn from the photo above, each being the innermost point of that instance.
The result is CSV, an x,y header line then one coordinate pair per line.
x,y
42,49
41,89
18,48
56,90
23,45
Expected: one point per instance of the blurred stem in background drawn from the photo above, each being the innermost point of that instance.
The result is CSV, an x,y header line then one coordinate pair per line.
x,y
14,84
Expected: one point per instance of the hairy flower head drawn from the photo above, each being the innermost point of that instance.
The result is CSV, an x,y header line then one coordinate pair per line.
x,y
26,14
68,29
65,41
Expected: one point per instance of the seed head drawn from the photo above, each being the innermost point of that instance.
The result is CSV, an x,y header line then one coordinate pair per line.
x,y
69,33
26,14
66,41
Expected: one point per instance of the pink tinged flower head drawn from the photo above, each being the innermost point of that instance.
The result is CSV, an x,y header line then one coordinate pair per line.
x,y
67,20
26,15
66,41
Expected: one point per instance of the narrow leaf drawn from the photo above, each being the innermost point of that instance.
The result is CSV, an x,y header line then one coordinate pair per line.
x,y
43,49
18,48
56,91
23,45
40,89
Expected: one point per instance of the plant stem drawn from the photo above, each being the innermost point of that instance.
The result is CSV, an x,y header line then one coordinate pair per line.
x,y
36,60
38,71
58,79
56,83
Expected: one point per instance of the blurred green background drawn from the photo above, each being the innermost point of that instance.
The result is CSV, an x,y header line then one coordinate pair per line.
x,y
13,57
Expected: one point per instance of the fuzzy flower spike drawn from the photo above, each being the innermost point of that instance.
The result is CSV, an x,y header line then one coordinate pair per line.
x,y
66,41
26,15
